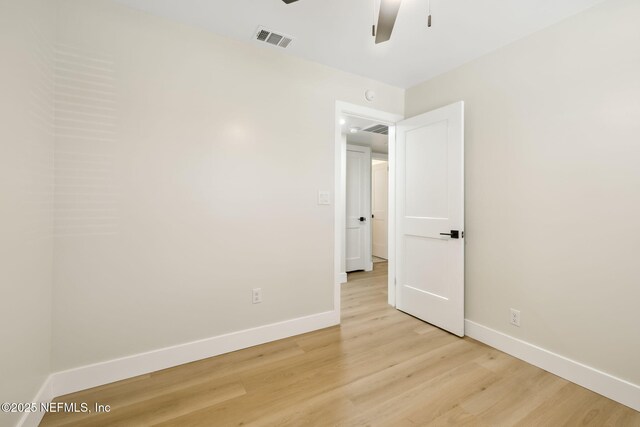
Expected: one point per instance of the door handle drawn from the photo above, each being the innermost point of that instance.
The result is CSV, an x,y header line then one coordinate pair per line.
x,y
362,219
455,234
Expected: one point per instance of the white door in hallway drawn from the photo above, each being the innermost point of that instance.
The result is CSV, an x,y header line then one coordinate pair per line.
x,y
379,209
430,217
358,207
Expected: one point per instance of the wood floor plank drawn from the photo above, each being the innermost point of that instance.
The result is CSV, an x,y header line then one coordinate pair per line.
x,y
380,367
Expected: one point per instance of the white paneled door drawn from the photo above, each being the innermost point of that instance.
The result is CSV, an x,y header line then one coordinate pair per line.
x,y
358,207
430,217
379,209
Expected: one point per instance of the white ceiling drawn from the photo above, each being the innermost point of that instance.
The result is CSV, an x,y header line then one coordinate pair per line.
x,y
338,32
377,142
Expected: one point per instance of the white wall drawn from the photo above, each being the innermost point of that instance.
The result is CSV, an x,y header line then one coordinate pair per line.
x,y
552,182
188,175
26,198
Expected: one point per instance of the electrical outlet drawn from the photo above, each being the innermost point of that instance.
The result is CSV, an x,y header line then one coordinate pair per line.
x,y
515,317
256,295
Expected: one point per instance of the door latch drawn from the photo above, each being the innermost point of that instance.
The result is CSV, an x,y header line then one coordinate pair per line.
x,y
455,234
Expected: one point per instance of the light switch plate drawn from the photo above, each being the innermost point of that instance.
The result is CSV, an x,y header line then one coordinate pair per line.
x,y
324,197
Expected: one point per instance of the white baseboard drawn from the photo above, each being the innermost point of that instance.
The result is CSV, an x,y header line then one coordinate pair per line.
x,y
44,395
73,380
342,278
97,374
600,382
82,378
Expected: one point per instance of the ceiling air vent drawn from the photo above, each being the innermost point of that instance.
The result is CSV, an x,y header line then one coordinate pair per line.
x,y
272,37
381,129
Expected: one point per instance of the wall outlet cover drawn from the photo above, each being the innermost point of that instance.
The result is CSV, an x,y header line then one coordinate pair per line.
x,y
514,317
256,295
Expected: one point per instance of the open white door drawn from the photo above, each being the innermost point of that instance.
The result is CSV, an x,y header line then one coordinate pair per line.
x,y
430,217
379,208
358,206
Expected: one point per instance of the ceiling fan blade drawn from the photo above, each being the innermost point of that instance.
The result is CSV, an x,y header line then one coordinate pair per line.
x,y
289,1
387,19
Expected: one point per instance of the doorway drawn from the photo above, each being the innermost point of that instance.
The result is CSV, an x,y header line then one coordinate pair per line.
x,y
366,209
366,196
362,118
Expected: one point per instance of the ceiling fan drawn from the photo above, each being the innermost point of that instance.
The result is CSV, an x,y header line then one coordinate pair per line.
x,y
386,19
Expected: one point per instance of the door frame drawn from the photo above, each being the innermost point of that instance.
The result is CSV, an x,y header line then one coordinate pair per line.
x,y
380,156
340,167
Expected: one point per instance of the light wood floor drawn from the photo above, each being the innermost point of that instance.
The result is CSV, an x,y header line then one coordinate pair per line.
x,y
380,367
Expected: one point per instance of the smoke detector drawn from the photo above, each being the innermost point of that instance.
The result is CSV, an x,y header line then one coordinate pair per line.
x,y
271,37
369,95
